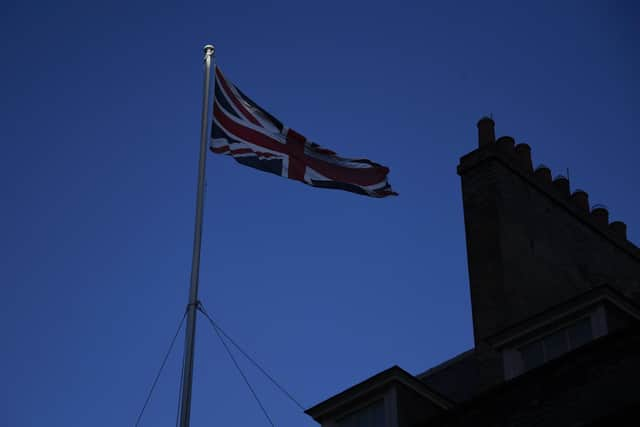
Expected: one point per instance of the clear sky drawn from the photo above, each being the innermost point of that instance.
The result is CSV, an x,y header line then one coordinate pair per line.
x,y
100,118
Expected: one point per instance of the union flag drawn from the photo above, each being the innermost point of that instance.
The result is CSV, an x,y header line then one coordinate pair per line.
x,y
255,138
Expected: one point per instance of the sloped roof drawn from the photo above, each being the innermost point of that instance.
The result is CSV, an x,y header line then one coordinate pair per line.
x,y
395,374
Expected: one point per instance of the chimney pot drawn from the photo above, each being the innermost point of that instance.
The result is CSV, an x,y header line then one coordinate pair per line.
x,y
581,200
561,183
619,228
543,173
486,132
523,151
600,215
505,144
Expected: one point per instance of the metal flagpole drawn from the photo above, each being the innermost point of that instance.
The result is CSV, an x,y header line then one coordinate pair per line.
x,y
187,369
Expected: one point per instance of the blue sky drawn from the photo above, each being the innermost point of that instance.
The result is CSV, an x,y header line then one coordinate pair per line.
x,y
100,126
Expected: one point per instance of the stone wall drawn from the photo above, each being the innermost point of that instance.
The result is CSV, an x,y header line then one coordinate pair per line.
x,y
531,244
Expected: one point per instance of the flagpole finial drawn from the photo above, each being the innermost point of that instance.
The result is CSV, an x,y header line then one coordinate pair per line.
x,y
208,49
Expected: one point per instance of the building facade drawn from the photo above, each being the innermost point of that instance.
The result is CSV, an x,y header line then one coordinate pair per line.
x,y
555,293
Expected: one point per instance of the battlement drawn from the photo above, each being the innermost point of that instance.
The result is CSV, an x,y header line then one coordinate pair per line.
x,y
518,159
532,242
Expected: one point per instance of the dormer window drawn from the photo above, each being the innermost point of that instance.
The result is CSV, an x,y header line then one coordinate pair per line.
x,y
392,398
556,344
553,339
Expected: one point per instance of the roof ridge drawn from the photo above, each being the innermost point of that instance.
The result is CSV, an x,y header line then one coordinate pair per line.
x,y
445,364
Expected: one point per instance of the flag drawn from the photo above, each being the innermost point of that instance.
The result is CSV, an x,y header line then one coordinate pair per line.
x,y
255,138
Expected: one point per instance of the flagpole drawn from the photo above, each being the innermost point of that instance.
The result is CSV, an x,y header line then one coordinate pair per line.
x,y
187,369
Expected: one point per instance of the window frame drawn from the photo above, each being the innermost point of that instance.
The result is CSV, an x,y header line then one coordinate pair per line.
x,y
512,355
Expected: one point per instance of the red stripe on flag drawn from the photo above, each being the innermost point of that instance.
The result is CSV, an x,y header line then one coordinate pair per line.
x,y
297,159
295,136
363,177
248,134
235,101
220,150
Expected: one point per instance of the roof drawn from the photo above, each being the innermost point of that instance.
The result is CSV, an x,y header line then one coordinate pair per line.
x,y
395,374
446,364
467,375
594,382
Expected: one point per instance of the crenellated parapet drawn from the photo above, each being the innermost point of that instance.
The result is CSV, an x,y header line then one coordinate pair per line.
x,y
531,240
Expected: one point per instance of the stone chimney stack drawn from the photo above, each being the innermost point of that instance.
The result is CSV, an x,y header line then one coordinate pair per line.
x,y
531,244
486,132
